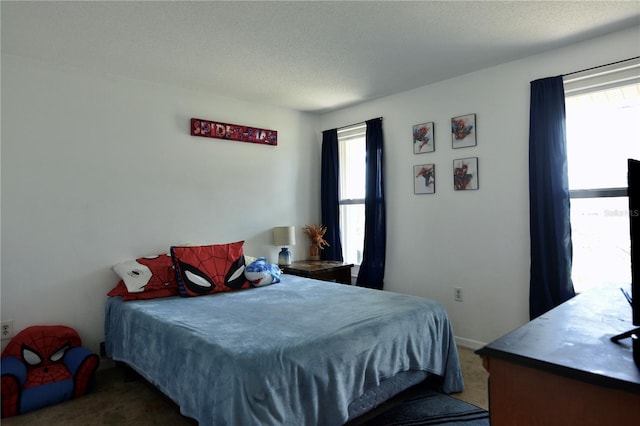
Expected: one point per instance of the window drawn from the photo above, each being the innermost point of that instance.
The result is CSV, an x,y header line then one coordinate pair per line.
x,y
603,110
352,163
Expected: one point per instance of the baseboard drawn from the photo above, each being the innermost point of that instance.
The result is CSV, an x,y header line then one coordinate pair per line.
x,y
469,343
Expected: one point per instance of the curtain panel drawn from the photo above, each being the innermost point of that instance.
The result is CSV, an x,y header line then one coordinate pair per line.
x,y
550,226
375,234
329,201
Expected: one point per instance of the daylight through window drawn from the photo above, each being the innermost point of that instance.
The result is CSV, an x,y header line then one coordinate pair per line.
x,y
352,163
603,112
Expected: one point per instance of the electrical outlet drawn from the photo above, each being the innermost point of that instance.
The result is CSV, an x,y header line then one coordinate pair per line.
x,y
7,329
457,294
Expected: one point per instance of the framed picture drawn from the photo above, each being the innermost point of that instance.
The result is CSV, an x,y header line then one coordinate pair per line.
x,y
424,179
465,174
423,138
463,131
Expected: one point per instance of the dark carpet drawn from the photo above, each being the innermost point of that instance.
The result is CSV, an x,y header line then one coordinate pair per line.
x,y
428,407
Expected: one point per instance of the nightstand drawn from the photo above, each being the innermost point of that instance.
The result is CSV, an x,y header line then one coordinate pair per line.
x,y
326,270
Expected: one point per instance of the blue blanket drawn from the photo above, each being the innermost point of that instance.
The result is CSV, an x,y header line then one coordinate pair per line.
x,y
299,352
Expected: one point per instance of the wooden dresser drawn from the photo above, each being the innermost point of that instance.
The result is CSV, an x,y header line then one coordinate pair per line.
x,y
326,270
562,369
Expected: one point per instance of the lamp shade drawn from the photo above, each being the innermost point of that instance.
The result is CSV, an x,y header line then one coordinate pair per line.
x,y
284,235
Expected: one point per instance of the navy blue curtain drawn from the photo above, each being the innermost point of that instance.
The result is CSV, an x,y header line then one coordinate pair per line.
x,y
330,209
375,229
550,227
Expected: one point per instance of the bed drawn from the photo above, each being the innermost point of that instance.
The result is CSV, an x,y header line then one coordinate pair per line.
x,y
299,352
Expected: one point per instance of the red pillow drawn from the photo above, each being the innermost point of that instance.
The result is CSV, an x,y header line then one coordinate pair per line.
x,y
119,290
209,269
146,278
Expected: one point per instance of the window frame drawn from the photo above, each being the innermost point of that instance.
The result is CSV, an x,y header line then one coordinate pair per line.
x,y
597,79
346,134
598,193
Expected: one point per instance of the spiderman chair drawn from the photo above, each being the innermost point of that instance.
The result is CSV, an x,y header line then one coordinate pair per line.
x,y
44,365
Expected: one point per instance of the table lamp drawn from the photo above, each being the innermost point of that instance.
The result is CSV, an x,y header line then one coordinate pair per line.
x,y
284,236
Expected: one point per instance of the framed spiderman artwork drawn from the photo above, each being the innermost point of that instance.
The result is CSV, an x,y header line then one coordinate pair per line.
x,y
465,174
423,138
424,179
463,131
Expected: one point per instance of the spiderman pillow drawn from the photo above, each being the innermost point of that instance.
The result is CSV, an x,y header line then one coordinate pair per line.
x,y
146,278
209,269
44,365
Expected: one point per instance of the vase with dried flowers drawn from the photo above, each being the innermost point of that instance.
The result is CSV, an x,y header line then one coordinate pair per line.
x,y
315,233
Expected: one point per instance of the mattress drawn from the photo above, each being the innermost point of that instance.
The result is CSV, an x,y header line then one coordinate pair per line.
x,y
299,352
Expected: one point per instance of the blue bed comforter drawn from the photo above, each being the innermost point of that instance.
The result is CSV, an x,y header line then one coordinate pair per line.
x,y
294,353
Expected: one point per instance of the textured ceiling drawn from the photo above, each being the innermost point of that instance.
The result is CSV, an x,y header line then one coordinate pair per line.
x,y
304,55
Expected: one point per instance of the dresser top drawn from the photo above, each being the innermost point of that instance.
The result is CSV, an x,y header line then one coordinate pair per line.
x,y
573,340
317,265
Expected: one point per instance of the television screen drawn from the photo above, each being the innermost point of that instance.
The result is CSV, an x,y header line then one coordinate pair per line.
x,y
634,225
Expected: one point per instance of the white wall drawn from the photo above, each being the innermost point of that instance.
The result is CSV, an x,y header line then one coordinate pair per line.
x,y
99,169
476,240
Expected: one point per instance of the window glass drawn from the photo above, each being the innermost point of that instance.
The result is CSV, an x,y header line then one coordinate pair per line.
x,y
352,161
603,131
352,236
601,243
352,165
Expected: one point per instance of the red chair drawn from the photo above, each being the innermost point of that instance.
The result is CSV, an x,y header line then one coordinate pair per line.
x,y
44,365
